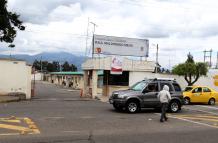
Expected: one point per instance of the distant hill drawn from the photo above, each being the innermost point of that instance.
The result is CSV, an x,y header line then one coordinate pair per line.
x,y
60,57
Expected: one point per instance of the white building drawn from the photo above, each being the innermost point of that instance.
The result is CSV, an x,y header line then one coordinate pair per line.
x,y
133,71
15,77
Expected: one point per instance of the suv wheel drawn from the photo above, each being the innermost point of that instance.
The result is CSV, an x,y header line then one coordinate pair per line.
x,y
212,101
186,101
174,106
132,106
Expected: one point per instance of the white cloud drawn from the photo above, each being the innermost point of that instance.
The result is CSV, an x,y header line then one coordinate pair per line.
x,y
178,26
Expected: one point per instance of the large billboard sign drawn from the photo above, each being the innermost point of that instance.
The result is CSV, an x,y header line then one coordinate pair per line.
x,y
110,45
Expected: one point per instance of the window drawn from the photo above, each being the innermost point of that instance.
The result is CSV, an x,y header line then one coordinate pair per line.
x,y
176,87
197,90
139,86
152,87
205,89
165,83
120,80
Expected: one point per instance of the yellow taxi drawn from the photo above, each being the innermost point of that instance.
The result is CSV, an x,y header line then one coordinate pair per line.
x,y
200,94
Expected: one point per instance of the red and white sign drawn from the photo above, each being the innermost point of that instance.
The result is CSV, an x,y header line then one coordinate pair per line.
x,y
116,65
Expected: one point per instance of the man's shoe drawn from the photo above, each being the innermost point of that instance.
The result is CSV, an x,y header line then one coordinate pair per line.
x,y
166,119
161,121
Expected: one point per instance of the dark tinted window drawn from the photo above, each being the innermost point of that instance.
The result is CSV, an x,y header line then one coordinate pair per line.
x,y
165,83
197,90
176,87
122,80
152,87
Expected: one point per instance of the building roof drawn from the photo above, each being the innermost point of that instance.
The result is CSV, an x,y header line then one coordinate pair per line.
x,y
73,73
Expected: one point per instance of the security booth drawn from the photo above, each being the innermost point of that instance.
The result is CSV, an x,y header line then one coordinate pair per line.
x,y
131,69
112,82
117,70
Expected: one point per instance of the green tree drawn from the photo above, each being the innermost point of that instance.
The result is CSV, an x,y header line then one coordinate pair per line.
x,y
36,65
40,64
49,67
191,70
66,67
56,66
73,67
9,21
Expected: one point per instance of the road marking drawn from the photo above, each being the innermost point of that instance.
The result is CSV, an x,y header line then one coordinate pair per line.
x,y
200,118
195,122
10,134
202,111
10,121
54,118
30,127
207,107
187,120
13,127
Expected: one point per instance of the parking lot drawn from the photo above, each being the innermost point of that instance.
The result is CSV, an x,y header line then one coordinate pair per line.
x,y
59,115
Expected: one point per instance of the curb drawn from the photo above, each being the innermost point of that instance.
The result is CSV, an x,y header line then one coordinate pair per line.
x,y
9,100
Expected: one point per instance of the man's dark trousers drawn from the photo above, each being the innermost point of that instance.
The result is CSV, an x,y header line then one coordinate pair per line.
x,y
163,111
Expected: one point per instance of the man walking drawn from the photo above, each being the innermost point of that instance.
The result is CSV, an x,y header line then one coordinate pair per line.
x,y
164,97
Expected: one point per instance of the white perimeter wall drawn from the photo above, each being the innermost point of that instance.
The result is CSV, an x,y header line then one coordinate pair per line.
x,y
15,76
204,81
38,76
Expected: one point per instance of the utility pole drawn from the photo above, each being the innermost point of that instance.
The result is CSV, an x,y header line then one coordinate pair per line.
x,y
95,25
157,59
208,54
217,61
41,64
87,37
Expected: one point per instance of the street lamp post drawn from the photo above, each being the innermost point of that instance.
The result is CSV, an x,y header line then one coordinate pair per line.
x,y
94,25
156,62
157,59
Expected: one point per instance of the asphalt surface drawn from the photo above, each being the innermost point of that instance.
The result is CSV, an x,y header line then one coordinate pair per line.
x,y
58,115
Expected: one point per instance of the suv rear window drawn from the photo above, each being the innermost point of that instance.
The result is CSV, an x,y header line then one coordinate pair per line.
x,y
176,87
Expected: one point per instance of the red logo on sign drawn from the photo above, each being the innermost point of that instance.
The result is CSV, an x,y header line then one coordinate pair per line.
x,y
98,50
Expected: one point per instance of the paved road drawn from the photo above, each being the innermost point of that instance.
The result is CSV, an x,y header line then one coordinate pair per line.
x,y
58,115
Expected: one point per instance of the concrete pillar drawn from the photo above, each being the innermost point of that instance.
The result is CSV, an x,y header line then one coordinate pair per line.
x,y
85,83
94,83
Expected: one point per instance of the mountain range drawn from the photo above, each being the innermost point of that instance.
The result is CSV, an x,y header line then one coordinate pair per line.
x,y
45,56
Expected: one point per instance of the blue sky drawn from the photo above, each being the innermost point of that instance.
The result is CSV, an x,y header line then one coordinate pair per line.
x,y
178,26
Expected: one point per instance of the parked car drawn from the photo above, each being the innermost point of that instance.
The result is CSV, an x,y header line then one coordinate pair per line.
x,y
200,94
143,94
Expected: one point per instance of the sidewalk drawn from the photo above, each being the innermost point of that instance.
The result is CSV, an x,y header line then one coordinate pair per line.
x,y
5,98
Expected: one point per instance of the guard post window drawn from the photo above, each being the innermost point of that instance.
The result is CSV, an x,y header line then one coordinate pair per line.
x,y
120,80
